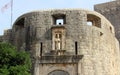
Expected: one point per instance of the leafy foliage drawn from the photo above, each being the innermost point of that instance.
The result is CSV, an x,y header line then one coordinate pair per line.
x,y
13,62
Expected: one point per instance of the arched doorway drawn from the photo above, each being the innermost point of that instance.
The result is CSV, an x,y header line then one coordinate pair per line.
x,y
58,72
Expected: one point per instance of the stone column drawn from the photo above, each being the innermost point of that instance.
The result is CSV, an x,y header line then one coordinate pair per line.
x,y
36,67
37,56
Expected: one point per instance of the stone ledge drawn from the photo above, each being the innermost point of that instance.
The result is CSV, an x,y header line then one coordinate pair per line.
x,y
58,26
60,59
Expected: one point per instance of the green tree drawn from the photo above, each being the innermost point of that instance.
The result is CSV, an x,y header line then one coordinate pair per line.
x,y
13,62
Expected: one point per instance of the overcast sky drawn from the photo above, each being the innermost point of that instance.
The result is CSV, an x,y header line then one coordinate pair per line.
x,y
22,6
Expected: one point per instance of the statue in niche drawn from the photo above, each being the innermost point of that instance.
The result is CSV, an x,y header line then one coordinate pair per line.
x,y
58,41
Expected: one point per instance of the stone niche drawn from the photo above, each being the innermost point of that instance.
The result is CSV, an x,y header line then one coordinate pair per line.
x,y
58,39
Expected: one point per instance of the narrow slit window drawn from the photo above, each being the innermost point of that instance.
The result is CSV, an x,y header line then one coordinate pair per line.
x,y
76,48
111,29
41,48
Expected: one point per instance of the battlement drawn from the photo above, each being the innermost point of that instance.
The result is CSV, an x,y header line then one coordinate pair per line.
x,y
6,36
7,32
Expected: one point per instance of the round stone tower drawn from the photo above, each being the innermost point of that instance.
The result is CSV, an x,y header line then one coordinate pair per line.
x,y
68,42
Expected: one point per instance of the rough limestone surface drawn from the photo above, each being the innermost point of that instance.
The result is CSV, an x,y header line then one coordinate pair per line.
x,y
88,49
111,11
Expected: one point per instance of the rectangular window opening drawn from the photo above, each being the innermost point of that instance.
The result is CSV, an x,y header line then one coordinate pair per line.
x,y
59,19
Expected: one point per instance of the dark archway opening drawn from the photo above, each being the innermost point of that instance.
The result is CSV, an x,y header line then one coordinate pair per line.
x,y
58,72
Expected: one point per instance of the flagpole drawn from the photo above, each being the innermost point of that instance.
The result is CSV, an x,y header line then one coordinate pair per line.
x,y
11,12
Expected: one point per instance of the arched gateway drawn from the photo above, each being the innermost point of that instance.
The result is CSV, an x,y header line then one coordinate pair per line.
x,y
58,72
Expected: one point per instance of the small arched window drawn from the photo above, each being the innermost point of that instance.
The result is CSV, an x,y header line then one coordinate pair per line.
x,y
93,20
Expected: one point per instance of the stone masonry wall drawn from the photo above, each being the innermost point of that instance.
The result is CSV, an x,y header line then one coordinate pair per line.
x,y
111,11
96,43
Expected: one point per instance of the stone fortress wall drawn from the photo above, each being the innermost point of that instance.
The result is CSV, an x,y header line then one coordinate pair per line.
x,y
111,11
6,36
82,43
